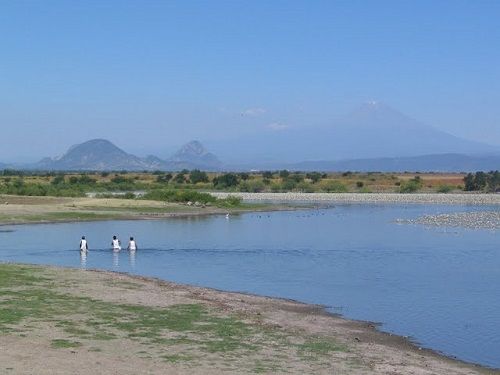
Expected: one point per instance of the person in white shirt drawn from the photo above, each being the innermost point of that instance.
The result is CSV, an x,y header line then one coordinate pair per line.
x,y
116,244
132,245
84,246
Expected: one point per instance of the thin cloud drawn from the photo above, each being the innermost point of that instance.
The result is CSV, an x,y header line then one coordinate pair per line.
x,y
277,126
253,112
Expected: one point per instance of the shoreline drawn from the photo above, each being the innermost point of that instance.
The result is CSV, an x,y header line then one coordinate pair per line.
x,y
355,346
430,198
306,308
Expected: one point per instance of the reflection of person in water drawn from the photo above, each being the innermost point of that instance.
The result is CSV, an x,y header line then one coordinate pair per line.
x,y
132,245
84,246
115,244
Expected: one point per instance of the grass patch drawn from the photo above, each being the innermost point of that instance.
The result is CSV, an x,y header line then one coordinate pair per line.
x,y
176,358
320,347
63,343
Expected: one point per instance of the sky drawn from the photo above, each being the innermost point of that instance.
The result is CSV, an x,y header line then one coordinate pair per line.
x,y
152,75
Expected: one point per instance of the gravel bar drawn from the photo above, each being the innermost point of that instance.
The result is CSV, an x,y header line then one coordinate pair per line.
x,y
474,220
476,199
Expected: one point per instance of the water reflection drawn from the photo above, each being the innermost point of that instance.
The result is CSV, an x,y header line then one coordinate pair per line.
x,y
116,260
131,259
83,259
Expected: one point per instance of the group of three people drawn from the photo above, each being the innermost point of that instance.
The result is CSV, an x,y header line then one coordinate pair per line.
x,y
115,244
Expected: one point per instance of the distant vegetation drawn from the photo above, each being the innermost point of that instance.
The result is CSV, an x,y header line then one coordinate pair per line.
x,y
481,181
191,186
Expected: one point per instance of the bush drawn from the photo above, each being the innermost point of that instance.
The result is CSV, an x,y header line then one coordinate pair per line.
x,y
314,176
225,181
196,176
333,186
411,186
360,184
284,173
252,186
164,178
444,188
304,187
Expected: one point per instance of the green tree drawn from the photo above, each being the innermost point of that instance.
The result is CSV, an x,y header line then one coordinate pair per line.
x,y
180,177
164,178
469,184
196,176
314,177
284,173
225,181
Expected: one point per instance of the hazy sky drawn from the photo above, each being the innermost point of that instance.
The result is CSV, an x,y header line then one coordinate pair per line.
x,y
150,75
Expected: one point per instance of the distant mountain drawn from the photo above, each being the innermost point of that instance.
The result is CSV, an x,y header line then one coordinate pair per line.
x,y
194,155
373,130
95,155
101,154
425,163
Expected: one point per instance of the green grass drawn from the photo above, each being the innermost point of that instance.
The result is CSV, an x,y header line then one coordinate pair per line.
x,y
62,343
320,347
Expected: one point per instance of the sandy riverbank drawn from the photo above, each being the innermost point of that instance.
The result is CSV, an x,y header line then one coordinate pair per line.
x,y
60,321
483,199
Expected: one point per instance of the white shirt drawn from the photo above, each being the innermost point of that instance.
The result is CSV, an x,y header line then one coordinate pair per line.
x,y
132,245
83,245
116,244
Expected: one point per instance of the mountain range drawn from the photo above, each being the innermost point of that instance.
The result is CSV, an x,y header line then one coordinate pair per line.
x,y
101,154
374,137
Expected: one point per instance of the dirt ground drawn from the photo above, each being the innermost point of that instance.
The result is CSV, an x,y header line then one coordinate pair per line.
x,y
70,321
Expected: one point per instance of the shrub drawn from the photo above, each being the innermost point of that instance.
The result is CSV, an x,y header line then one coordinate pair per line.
x,y
333,186
252,186
225,181
284,173
360,184
411,186
196,176
305,187
444,188
314,176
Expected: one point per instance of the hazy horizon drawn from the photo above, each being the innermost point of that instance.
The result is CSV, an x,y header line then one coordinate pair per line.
x,y
150,76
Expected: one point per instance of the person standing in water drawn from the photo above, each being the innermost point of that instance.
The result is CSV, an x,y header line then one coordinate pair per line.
x,y
84,246
132,245
116,244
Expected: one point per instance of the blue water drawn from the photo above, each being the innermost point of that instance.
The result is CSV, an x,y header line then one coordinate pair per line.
x,y
440,286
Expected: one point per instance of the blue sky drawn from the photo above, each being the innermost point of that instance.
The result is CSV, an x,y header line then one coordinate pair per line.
x,y
150,75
